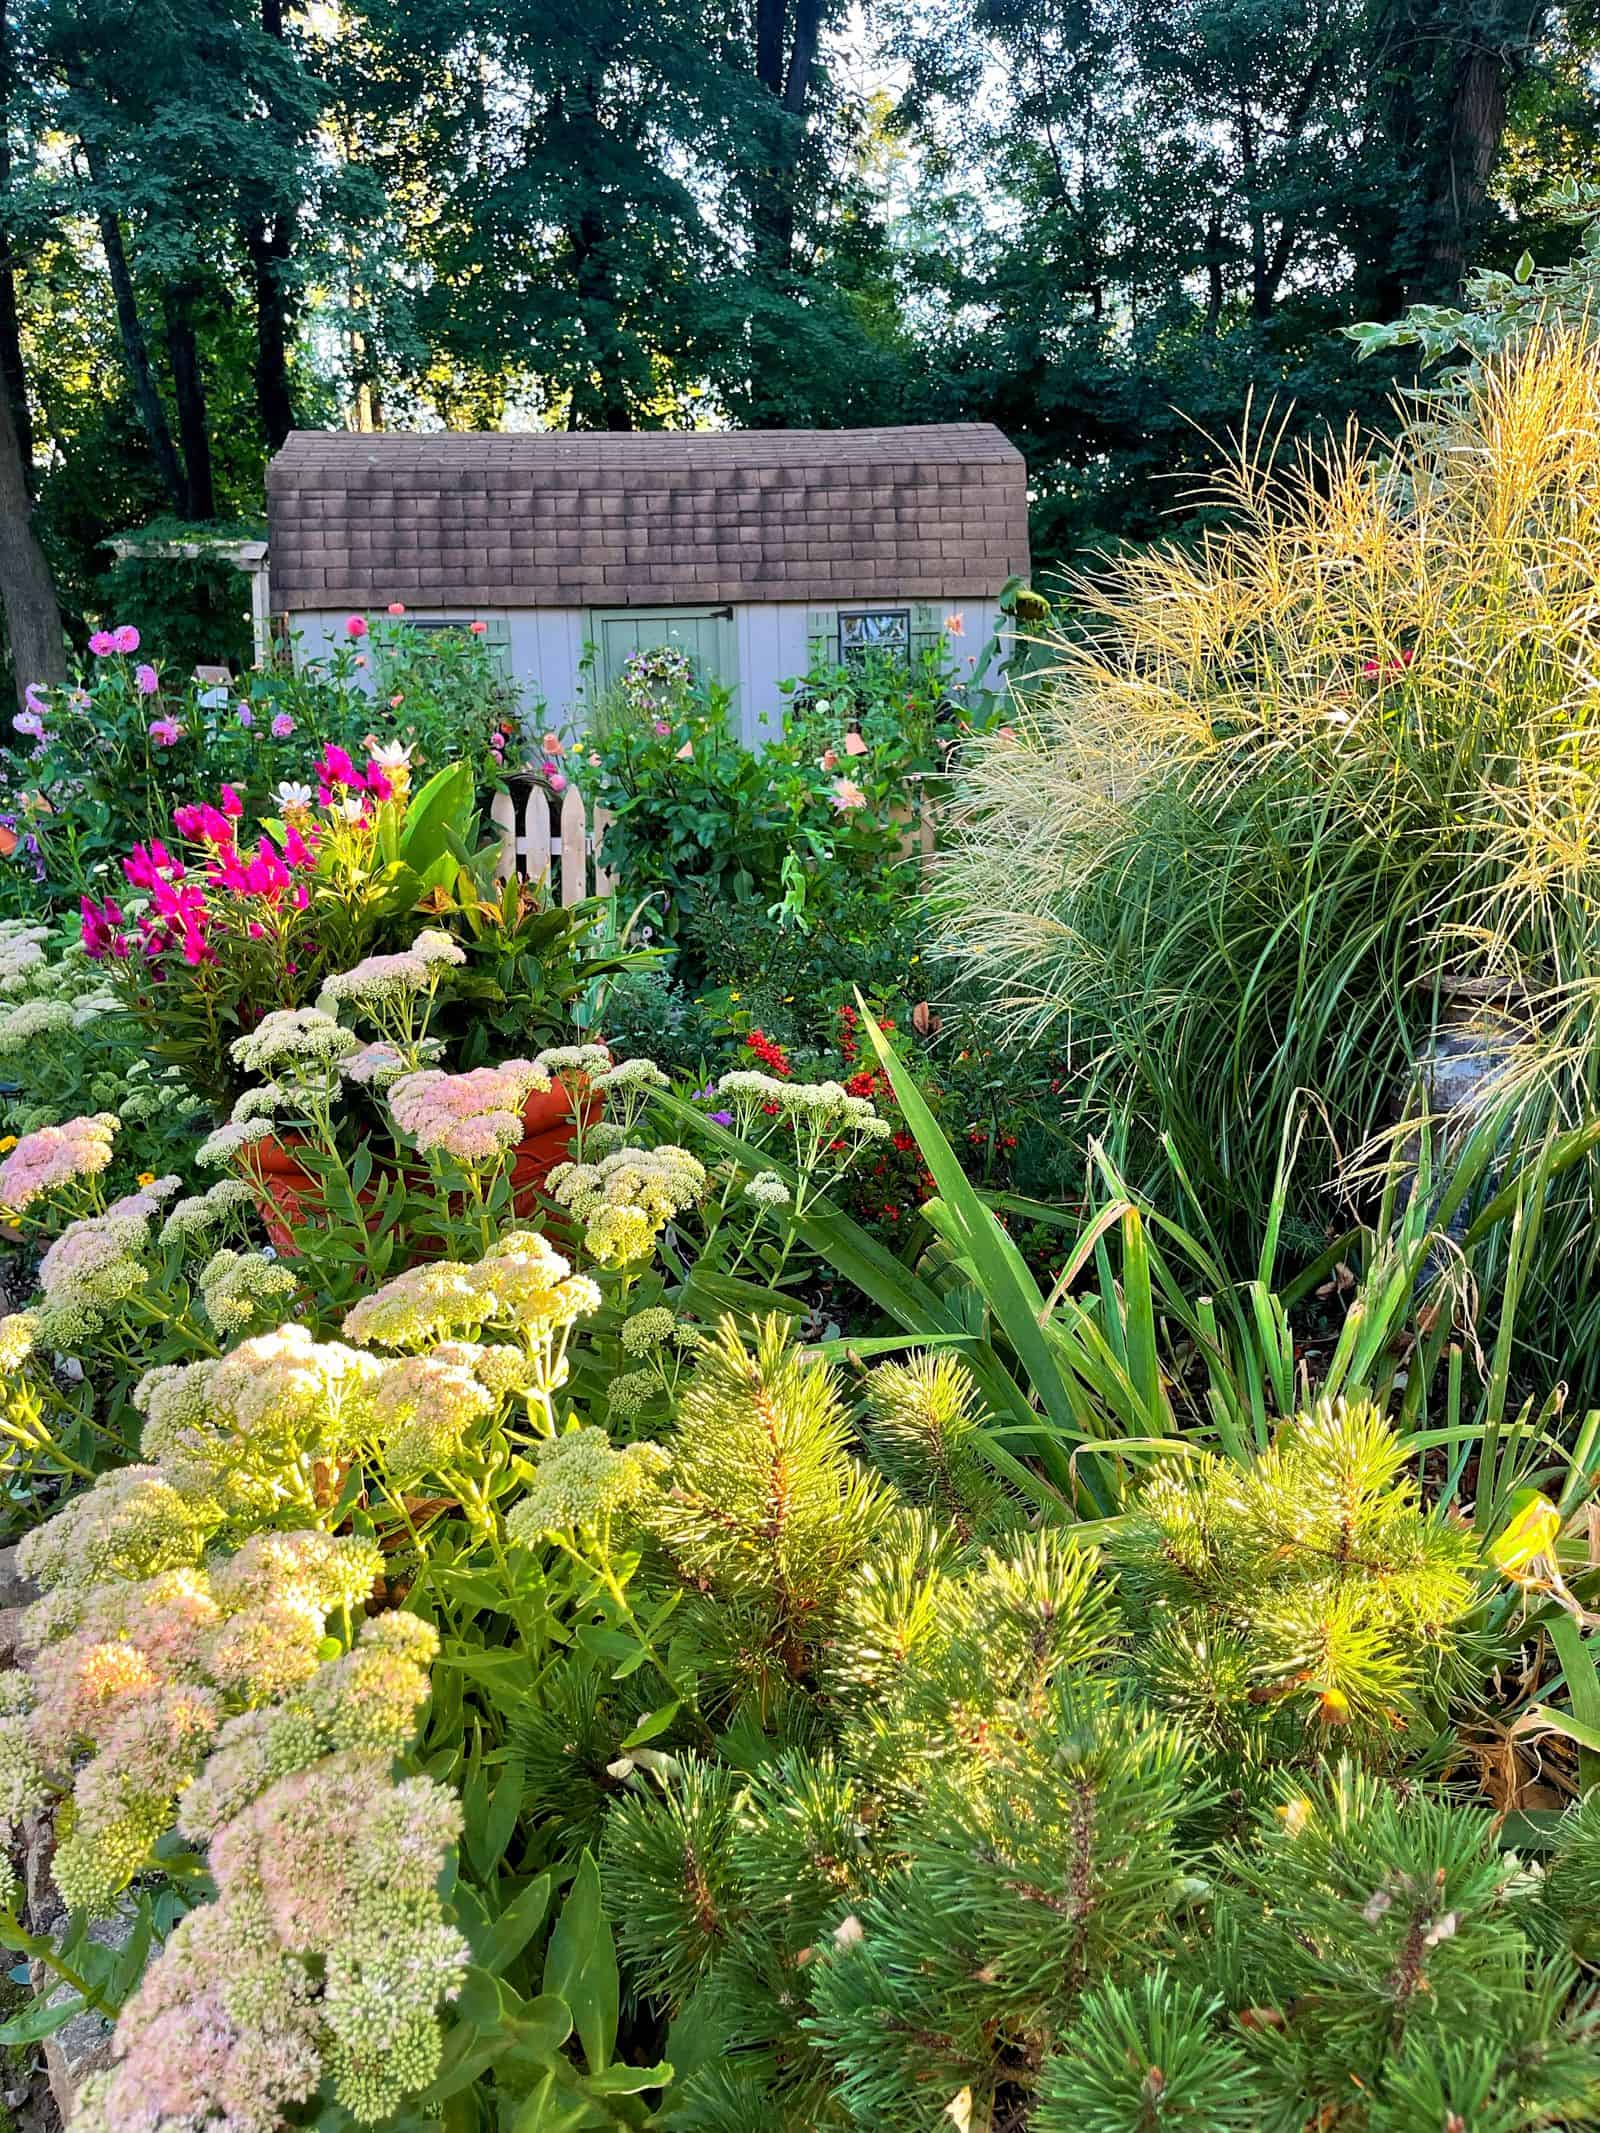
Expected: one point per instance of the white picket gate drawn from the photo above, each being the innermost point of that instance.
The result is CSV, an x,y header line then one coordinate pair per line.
x,y
563,847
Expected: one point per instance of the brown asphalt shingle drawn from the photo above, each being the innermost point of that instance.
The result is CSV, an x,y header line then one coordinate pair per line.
x,y
646,519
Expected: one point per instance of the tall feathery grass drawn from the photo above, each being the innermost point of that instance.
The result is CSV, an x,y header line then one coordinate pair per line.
x,y
1298,795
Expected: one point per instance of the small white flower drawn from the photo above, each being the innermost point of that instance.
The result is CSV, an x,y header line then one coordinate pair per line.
x,y
290,795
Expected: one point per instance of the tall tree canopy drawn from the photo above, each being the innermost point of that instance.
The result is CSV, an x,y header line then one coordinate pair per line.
x,y
1073,217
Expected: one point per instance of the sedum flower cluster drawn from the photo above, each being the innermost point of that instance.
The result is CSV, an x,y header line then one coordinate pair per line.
x,y
236,1288
627,1198
53,1005
165,1686
129,1680
474,1117
581,1479
263,1427
44,1161
97,1264
327,1952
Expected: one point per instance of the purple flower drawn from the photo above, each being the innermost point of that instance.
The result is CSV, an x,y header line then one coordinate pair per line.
x,y
146,680
35,699
662,728
125,638
30,723
722,1118
165,732
282,726
245,716
102,644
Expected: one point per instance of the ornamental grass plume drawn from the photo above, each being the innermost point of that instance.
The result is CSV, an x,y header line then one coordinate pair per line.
x,y
1293,794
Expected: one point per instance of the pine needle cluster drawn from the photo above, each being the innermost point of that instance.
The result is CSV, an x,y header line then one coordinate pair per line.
x,y
954,1856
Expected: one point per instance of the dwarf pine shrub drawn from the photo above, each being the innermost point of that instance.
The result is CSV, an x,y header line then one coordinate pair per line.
x,y
1075,1839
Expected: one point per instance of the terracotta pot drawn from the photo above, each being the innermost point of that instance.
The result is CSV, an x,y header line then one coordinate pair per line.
x,y
548,1124
288,1196
285,1190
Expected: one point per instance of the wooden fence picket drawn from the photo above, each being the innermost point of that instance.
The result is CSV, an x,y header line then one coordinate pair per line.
x,y
566,855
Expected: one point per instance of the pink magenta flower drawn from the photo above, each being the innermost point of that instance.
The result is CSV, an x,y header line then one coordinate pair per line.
x,y
847,795
335,768
165,732
378,782
146,680
231,803
125,638
296,851
558,782
355,626
397,607
35,699
282,726
477,628
101,926
662,728
102,644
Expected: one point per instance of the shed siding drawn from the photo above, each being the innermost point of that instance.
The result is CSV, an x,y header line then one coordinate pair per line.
x,y
774,641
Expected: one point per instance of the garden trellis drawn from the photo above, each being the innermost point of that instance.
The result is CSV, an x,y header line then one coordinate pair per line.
x,y
560,840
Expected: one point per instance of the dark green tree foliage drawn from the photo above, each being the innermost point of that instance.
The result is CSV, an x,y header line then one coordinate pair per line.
x,y
967,1865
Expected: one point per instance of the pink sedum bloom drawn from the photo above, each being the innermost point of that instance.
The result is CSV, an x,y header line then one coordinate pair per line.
x,y
54,1156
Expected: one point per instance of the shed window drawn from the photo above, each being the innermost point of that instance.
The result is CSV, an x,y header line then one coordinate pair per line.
x,y
875,633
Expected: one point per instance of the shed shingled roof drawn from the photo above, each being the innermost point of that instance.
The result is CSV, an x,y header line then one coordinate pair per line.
x,y
645,519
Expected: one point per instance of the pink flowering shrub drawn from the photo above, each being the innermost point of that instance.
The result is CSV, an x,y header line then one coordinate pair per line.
x,y
224,920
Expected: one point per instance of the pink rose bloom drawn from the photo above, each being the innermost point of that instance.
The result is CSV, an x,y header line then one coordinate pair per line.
x,y
477,628
355,626
558,782
847,796
146,680
165,732
102,644
397,607
282,726
125,638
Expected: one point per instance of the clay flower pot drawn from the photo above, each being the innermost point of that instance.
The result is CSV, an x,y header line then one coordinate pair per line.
x,y
288,1196
549,1121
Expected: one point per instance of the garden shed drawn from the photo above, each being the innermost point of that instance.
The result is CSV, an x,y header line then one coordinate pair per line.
x,y
754,550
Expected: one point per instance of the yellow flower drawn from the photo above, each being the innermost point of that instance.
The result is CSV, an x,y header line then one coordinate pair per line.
x,y
8,1144
736,996
147,1177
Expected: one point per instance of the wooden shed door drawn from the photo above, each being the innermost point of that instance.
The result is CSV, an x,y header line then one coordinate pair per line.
x,y
706,634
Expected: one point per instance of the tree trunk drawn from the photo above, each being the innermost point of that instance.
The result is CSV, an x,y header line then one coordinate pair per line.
x,y
33,620
1213,264
13,371
270,246
599,393
188,387
773,212
1441,75
269,241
